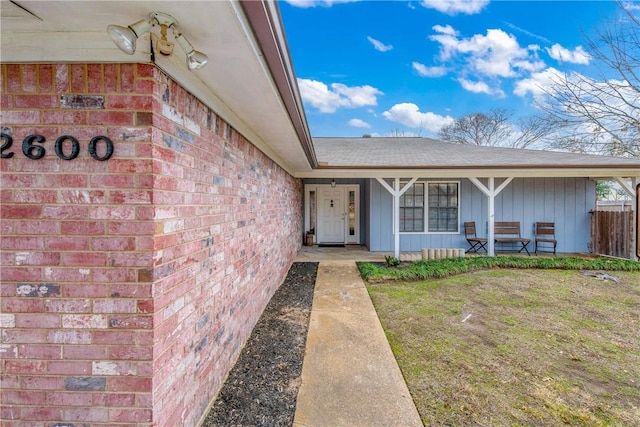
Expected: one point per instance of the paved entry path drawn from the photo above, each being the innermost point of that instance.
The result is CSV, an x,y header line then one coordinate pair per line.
x,y
349,375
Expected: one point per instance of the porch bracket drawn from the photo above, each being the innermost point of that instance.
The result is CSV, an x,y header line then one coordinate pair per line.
x,y
396,192
491,192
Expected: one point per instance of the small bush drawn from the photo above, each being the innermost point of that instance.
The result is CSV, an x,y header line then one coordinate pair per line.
x,y
391,261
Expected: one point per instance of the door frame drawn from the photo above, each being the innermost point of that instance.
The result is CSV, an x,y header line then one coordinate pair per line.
x,y
309,188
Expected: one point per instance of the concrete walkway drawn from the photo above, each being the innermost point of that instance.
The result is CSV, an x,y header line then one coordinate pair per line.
x,y
349,375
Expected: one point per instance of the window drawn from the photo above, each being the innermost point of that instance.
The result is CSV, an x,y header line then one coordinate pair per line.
x,y
443,207
412,209
441,212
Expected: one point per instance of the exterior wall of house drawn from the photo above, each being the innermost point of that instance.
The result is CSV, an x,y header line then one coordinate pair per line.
x,y
129,285
565,201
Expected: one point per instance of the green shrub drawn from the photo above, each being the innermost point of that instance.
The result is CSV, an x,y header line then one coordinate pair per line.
x,y
421,270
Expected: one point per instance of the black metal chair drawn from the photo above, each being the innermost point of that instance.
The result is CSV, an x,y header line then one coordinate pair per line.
x,y
476,243
545,237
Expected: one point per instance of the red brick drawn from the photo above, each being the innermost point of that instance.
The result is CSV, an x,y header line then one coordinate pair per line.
x,y
82,196
37,321
123,118
25,366
86,414
34,413
78,78
130,353
34,398
131,290
130,415
127,79
114,306
112,181
21,243
40,227
42,352
114,399
70,275
69,337
22,305
40,382
35,196
72,367
67,117
124,338
62,78
131,228
145,70
9,381
70,399
6,103
45,78
37,258
87,228
131,322
24,336
19,117
66,212
111,275
89,290
95,75
20,212
129,102
20,274
130,166
36,102
14,73
129,384
113,212
85,352
68,305
86,259
67,180
111,72
29,78
64,243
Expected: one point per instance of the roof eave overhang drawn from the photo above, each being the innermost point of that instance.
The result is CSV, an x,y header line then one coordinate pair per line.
x,y
475,172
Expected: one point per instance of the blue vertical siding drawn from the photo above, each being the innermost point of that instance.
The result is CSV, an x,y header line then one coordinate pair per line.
x,y
565,201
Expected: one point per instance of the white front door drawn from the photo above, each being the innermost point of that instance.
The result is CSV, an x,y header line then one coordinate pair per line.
x,y
331,215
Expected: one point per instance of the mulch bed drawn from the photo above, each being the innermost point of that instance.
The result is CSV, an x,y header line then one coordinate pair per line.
x,y
262,387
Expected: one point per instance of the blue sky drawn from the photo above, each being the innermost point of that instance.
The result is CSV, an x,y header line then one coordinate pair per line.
x,y
410,67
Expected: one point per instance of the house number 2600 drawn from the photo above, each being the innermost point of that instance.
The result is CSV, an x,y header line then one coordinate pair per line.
x,y
32,150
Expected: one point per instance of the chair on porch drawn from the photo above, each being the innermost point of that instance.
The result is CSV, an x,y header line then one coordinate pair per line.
x,y
545,237
476,243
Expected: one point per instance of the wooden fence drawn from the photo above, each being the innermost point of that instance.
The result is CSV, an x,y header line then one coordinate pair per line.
x,y
612,233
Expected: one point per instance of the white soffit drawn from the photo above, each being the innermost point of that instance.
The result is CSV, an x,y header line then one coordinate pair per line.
x,y
236,83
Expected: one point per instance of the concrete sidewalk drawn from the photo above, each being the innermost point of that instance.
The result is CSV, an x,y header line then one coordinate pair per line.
x,y
349,375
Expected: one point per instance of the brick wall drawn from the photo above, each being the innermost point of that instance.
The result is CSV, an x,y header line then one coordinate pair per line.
x,y
129,285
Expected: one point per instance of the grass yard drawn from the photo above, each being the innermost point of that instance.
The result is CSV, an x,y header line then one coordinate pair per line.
x,y
517,346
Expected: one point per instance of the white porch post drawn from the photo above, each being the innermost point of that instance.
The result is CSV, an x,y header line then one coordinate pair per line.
x,y
491,192
396,192
631,190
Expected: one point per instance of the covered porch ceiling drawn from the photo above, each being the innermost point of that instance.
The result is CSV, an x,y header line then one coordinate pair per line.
x,y
249,80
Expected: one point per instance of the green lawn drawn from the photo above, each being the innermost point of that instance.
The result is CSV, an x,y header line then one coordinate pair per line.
x,y
517,346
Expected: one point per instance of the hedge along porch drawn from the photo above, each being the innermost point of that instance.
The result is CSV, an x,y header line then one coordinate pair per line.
x,y
130,283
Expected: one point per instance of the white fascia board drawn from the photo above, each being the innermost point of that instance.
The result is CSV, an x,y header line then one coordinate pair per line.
x,y
476,173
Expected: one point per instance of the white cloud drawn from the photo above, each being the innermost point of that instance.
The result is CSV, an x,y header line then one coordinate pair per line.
x,y
538,83
408,114
425,71
357,123
314,3
479,87
328,99
562,54
496,54
378,45
454,7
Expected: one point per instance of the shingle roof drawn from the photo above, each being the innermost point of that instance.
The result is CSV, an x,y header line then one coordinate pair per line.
x,y
425,153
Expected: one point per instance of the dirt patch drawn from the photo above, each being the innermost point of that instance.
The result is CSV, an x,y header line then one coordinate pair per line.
x,y
262,387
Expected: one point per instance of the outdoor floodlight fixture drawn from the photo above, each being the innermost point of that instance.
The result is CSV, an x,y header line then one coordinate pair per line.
x,y
125,38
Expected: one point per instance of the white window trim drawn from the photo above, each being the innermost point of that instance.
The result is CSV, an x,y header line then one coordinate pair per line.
x,y
426,208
